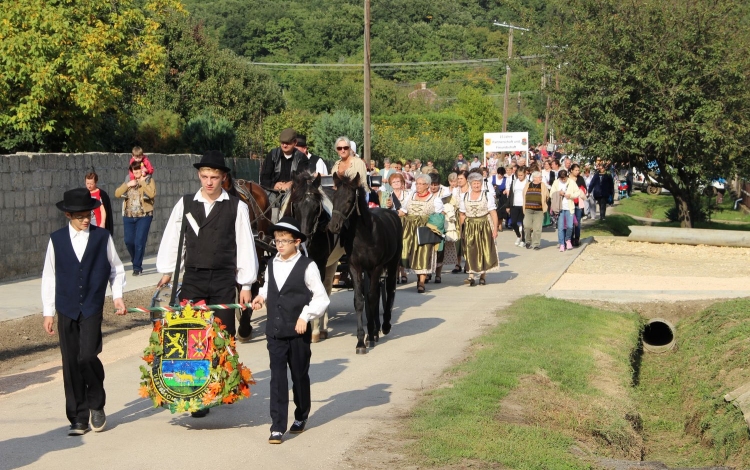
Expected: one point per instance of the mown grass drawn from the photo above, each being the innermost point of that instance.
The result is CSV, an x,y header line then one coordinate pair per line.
x,y
613,225
562,347
655,207
645,205
686,421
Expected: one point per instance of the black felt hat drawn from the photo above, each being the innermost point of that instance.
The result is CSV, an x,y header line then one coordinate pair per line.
x,y
301,140
288,224
78,200
213,159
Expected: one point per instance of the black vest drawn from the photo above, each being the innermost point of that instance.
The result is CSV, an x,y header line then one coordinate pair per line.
x,y
312,163
284,306
215,246
299,163
80,286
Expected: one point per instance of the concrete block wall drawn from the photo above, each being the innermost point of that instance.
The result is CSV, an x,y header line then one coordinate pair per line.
x,y
31,184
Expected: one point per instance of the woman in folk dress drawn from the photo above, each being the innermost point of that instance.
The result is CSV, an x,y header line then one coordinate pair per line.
x,y
479,222
396,198
414,214
462,187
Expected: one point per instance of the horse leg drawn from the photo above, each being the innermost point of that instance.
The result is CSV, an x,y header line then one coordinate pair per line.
x,y
245,329
373,305
390,288
359,307
320,325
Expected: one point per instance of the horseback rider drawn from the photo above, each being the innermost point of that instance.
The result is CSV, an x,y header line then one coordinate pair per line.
x,y
280,167
316,164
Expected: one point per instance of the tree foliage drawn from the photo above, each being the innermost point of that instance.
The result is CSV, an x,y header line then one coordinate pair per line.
x,y
202,78
663,82
207,132
65,64
481,114
329,127
300,121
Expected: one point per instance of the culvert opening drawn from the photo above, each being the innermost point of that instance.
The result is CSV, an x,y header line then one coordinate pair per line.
x,y
658,336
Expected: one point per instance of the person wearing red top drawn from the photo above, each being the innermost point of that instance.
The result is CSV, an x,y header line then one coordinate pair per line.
x,y
146,166
103,213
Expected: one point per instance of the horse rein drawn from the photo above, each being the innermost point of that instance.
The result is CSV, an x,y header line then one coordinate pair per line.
x,y
317,217
351,211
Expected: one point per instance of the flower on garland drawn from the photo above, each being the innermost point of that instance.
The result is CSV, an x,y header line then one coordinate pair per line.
x,y
192,363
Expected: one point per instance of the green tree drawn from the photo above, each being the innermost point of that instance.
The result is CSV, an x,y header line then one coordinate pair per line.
x,y
300,121
202,78
481,114
207,132
65,64
330,127
664,82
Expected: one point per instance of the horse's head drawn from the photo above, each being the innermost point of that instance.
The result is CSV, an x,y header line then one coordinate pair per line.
x,y
344,201
307,202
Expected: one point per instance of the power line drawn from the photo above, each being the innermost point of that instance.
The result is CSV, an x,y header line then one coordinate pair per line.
x,y
438,63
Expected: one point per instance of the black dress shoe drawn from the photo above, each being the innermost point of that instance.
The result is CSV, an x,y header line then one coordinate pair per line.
x,y
137,273
98,420
78,429
200,413
298,426
472,282
455,270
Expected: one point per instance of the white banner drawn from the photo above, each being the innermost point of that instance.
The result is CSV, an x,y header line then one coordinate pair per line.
x,y
506,142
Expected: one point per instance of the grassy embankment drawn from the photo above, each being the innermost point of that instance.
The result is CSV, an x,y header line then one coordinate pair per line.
x,y
551,388
555,375
686,421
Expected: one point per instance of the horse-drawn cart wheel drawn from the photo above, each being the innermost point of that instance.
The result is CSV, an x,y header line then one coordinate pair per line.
x,y
653,189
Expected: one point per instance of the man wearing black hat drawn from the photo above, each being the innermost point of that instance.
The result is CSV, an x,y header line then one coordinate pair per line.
x,y
314,162
219,246
283,163
81,259
294,295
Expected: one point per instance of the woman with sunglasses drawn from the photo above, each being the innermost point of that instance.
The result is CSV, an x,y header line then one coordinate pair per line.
x,y
348,165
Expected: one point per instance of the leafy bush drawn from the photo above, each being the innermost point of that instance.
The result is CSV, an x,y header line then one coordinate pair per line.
x,y
521,123
300,121
160,132
436,137
330,127
207,132
701,215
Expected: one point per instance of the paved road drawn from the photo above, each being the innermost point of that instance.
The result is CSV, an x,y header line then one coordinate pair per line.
x,y
352,394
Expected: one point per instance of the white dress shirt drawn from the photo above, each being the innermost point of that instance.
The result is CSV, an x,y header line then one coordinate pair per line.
x,y
79,239
247,259
281,270
320,166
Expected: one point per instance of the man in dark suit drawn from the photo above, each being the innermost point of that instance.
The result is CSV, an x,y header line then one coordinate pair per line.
x,y
81,260
283,163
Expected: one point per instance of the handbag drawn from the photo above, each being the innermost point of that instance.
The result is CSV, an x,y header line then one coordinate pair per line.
x,y
547,220
426,236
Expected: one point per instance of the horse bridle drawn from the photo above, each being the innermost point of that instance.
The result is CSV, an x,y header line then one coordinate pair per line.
x,y
351,211
317,217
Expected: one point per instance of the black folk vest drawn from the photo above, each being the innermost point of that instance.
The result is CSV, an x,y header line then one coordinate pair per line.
x,y
215,245
284,306
80,286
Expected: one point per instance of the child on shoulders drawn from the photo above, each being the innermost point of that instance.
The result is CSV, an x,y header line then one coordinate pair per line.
x,y
146,166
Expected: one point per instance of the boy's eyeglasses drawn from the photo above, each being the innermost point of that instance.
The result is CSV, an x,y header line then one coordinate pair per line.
x,y
284,241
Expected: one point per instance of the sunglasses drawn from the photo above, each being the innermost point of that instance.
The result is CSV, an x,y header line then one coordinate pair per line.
x,y
342,148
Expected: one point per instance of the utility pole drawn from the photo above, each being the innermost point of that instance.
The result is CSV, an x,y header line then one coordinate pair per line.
x,y
367,136
507,69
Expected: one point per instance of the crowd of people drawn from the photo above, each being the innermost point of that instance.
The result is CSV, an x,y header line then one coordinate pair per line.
x,y
478,200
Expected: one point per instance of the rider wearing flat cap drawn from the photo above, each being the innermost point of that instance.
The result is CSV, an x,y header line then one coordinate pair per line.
x,y
283,163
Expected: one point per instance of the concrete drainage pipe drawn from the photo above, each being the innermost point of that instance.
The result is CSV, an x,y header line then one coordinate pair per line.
x,y
658,336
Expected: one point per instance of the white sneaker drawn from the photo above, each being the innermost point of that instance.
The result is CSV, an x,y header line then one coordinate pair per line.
x,y
518,242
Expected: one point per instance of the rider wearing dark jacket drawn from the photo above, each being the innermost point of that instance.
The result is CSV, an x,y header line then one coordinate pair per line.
x,y
283,163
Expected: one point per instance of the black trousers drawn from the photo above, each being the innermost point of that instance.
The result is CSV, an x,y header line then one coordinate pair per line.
x,y
602,203
214,286
516,216
83,372
295,353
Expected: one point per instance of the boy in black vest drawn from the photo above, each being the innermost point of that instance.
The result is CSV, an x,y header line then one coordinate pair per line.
x,y
81,259
219,249
294,295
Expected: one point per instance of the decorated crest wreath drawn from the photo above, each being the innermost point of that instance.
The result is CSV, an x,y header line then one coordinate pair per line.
x,y
219,377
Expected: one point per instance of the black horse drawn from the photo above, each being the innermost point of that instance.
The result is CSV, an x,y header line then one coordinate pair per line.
x,y
373,242
306,206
